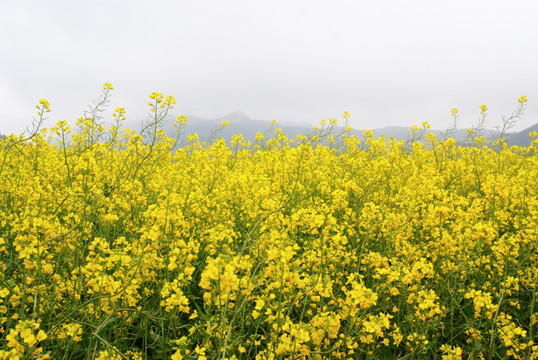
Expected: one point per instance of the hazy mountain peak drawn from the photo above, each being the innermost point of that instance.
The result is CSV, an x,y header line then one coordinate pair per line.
x,y
236,116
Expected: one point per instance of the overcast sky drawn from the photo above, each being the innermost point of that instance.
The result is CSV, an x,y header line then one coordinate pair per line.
x,y
386,62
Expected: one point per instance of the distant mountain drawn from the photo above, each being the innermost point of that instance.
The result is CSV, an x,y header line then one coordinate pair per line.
x,y
236,117
240,123
522,138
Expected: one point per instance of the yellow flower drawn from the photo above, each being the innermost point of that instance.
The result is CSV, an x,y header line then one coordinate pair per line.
x,y
41,335
12,341
43,104
4,292
177,355
451,352
259,304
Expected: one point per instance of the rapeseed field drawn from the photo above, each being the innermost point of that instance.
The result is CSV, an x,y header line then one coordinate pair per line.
x,y
116,244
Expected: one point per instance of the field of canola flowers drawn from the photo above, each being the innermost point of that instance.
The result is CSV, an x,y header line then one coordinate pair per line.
x,y
113,246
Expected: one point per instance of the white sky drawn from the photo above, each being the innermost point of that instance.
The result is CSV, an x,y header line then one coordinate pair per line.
x,y
386,62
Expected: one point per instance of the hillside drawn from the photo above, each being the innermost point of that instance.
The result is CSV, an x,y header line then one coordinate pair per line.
x,y
240,123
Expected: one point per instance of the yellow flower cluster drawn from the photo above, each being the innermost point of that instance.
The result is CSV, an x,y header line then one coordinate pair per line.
x,y
329,246
481,300
43,107
22,340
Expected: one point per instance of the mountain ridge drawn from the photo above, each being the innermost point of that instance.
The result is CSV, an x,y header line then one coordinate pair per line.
x,y
240,123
